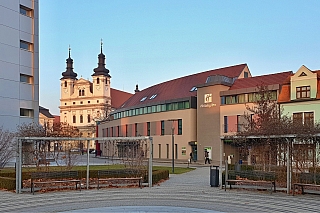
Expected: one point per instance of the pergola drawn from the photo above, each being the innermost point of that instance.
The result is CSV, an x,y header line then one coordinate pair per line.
x,y
289,141
33,141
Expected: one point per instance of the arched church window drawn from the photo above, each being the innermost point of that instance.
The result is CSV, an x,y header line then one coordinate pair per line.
x,y
81,118
82,92
79,92
74,119
98,81
65,83
89,119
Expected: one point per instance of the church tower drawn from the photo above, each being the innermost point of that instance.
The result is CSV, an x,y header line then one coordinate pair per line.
x,y
68,79
101,82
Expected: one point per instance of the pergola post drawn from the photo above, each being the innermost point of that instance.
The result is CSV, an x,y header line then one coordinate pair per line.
x,y
221,162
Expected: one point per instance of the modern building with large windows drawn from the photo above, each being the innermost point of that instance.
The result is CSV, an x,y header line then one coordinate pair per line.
x,y
194,110
19,62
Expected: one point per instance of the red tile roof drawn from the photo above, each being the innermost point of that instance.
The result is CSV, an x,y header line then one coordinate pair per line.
x,y
118,97
252,82
180,87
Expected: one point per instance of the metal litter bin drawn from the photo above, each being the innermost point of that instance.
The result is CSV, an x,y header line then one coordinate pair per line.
x,y
214,176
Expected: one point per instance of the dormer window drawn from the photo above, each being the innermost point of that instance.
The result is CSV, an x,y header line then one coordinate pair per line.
x,y
193,89
153,96
143,99
303,92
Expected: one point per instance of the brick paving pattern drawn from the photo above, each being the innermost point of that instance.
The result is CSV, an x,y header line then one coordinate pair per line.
x,y
189,190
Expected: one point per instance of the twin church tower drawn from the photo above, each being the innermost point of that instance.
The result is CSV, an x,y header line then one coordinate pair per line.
x,y
82,102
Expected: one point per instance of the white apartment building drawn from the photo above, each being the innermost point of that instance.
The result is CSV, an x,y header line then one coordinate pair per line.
x,y
19,62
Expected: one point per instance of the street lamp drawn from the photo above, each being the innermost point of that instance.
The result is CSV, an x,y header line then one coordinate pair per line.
x,y
172,140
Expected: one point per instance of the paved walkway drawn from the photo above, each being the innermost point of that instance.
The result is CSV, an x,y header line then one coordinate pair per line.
x,y
189,192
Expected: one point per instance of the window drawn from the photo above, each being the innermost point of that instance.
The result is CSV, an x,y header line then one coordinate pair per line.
x,y
167,151
82,92
81,118
88,102
111,133
136,129
179,126
303,92
246,74
65,103
25,11
118,131
25,78
74,103
79,92
74,119
98,81
225,129
26,112
148,128
193,89
25,45
65,83
143,99
89,118
126,130
81,102
308,118
162,127
153,96
159,150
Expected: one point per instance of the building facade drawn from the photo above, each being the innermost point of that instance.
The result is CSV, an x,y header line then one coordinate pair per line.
x,y
19,62
187,108
84,103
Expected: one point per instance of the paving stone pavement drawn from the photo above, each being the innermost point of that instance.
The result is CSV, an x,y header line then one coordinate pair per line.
x,y
191,192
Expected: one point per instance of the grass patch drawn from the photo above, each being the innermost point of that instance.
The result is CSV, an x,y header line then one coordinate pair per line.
x,y
177,170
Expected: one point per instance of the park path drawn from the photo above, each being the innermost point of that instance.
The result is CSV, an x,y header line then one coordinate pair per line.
x,y
189,190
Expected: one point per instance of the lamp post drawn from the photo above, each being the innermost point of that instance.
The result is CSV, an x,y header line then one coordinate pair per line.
x,y
172,141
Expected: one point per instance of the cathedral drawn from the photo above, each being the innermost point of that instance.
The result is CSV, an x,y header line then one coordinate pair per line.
x,y
84,103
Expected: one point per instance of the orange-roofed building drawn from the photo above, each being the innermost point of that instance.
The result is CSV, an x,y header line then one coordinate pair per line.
x,y
300,96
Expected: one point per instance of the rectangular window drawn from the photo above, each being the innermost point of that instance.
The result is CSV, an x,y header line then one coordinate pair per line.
x,y
89,118
118,131
223,100
238,123
25,11
25,45
176,151
245,74
148,128
252,97
162,127
25,78
298,118
167,151
179,126
149,109
186,105
168,107
158,108
136,129
111,132
308,118
225,129
241,99
163,108
154,108
81,118
140,111
181,105
74,119
159,150
175,106
303,92
126,130
26,112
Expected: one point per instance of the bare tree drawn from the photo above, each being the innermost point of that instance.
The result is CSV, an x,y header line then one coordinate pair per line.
x,y
6,146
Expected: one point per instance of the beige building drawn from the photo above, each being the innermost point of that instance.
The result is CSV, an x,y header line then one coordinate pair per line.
x,y
84,103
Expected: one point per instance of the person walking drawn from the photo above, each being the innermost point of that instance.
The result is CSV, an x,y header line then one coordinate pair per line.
x,y
191,157
206,155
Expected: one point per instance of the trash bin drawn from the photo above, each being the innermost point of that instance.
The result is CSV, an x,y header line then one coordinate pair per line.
x,y
214,176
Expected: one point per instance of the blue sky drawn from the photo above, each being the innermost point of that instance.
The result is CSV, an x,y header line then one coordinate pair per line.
x,y
149,42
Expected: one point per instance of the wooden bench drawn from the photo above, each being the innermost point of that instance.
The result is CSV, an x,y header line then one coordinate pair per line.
x,y
307,180
253,178
103,173
271,184
54,177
